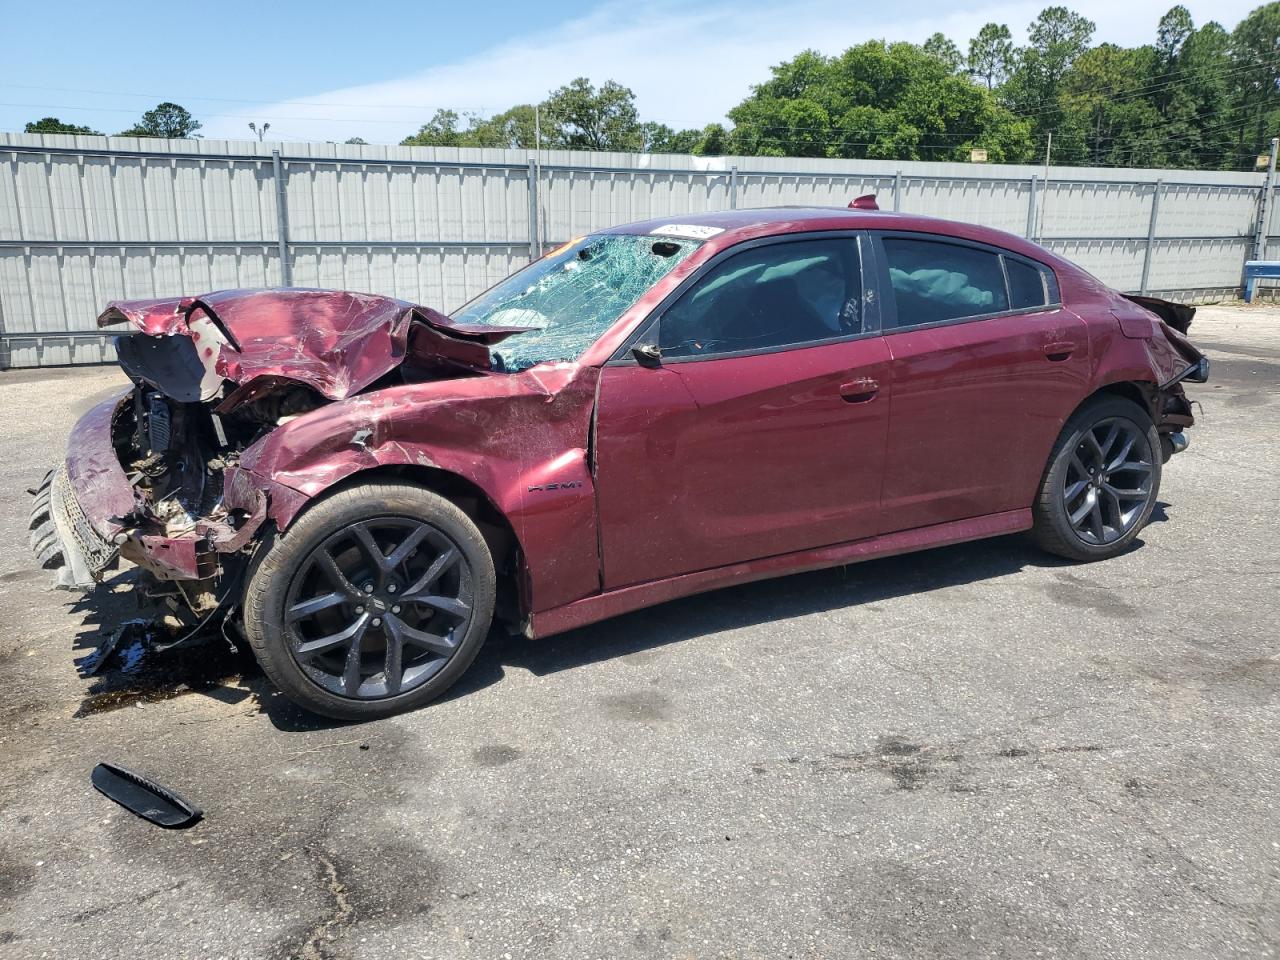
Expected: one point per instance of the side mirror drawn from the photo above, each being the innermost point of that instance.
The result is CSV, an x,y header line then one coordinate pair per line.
x,y
647,354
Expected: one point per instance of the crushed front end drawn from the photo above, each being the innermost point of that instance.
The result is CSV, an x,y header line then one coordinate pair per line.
x,y
153,476
155,481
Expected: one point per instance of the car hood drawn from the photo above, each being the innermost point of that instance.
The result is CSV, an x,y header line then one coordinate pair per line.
x,y
334,341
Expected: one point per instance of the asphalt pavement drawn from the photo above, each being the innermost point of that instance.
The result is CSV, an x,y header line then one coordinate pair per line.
x,y
979,751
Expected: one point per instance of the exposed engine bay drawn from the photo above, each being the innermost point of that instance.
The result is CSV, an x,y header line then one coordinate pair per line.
x,y
212,377
176,454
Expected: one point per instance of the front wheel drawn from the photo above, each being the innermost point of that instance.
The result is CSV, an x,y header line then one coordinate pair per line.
x,y
373,602
1101,482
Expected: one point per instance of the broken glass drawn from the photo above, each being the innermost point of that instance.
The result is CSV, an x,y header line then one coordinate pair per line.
x,y
572,295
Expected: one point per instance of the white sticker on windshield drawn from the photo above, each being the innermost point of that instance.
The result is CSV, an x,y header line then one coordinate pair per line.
x,y
687,231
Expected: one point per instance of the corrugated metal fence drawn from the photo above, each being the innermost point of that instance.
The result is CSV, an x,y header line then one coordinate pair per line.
x,y
84,220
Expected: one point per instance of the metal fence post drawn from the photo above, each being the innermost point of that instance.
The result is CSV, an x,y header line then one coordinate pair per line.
x,y
897,191
1264,205
533,210
733,187
1151,236
1031,208
282,219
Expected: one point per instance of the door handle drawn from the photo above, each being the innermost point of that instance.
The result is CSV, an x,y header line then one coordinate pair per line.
x,y
1059,351
860,390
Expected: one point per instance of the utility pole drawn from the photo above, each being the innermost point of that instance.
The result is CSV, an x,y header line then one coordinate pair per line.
x,y
535,178
1264,205
1048,149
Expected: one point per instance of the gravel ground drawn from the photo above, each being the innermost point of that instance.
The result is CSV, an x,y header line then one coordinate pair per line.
x,y
974,752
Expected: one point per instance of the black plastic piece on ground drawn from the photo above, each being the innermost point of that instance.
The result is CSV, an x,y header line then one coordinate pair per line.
x,y
144,797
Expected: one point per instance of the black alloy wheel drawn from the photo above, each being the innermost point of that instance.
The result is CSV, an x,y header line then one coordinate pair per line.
x,y
373,601
1101,482
377,608
1107,484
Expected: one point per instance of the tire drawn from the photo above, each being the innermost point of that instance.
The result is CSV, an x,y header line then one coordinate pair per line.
x,y
430,596
1115,500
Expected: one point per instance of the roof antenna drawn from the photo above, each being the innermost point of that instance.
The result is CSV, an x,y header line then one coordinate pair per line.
x,y
865,202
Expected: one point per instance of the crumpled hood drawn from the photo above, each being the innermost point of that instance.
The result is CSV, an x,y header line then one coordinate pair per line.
x,y
333,341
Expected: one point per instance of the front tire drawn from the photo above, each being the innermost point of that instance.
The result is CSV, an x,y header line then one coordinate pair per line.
x,y
373,602
1101,482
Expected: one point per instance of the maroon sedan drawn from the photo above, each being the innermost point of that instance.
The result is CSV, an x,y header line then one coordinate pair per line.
x,y
360,485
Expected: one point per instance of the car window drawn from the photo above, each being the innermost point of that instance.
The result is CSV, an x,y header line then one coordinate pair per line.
x,y
934,281
778,295
1026,285
572,295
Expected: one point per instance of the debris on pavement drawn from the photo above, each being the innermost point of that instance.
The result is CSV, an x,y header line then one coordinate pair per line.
x,y
144,797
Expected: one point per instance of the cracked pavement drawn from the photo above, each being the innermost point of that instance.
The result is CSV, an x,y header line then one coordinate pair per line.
x,y
979,751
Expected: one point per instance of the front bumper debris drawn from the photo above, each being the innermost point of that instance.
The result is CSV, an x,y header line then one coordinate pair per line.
x,y
87,513
62,538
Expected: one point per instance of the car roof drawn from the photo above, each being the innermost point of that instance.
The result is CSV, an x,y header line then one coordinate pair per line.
x,y
735,226
747,218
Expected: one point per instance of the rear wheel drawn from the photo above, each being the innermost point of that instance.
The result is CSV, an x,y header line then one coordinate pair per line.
x,y
1101,482
373,602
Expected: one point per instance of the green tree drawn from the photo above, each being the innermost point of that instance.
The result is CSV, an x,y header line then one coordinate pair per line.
x,y
944,51
1255,60
1102,95
714,141
440,131
167,120
356,141
514,128
1054,40
991,54
890,101
54,125
1189,92
584,118
1204,101
660,138
1173,31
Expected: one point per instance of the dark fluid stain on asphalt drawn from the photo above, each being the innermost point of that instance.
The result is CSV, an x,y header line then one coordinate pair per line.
x,y
1077,592
914,910
133,673
16,879
907,764
495,755
17,576
912,766
644,705
897,746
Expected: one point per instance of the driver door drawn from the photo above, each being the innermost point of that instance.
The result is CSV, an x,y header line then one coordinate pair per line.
x,y
762,428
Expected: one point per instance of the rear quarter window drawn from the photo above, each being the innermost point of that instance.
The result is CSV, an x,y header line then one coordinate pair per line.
x,y
1027,287
933,281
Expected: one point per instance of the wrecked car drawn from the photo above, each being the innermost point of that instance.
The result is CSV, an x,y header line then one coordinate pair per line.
x,y
360,485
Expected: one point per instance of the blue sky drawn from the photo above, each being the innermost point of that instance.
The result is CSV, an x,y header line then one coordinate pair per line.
x,y
320,71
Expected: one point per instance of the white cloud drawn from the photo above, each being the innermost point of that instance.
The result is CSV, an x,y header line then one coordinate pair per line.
x,y
687,64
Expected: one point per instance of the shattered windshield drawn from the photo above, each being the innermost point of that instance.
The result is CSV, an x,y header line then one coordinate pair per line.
x,y
572,295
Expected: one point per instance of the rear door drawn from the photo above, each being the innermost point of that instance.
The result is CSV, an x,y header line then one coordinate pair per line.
x,y
761,430
986,366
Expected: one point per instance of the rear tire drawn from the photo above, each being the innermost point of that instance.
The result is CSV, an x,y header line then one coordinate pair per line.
x,y
1101,482
373,602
